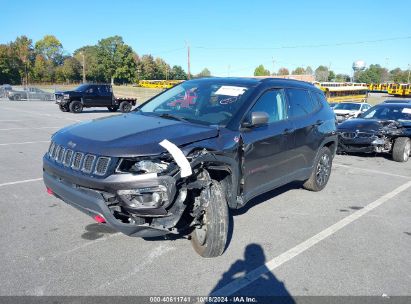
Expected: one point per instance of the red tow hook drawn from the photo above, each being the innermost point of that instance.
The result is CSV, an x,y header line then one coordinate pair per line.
x,y
99,219
49,191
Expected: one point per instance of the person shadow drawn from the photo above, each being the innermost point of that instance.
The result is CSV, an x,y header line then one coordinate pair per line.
x,y
251,278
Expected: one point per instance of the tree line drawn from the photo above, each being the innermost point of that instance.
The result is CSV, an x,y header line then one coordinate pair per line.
x,y
110,60
373,74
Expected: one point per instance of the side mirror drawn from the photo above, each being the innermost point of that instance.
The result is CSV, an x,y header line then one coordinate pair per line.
x,y
256,119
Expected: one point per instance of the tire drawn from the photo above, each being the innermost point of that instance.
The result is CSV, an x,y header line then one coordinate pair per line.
x,y
210,239
113,108
321,171
76,106
402,149
17,97
125,106
63,108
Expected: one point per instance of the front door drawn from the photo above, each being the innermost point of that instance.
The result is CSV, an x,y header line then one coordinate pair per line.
x,y
266,159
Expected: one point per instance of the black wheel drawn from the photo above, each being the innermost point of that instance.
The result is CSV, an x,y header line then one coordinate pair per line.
x,y
209,240
125,106
76,106
113,108
17,97
63,108
321,171
402,149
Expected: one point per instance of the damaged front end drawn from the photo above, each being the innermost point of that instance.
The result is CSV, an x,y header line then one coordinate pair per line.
x,y
142,196
378,139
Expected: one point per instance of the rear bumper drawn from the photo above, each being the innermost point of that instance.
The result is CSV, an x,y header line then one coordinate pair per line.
x,y
92,203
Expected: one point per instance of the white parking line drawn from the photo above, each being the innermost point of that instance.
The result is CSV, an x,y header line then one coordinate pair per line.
x,y
21,182
9,129
26,142
42,114
372,171
254,275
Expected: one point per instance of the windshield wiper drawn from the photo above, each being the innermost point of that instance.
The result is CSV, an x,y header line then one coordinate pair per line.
x,y
171,116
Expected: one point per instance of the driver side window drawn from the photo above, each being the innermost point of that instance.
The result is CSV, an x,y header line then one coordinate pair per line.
x,y
273,103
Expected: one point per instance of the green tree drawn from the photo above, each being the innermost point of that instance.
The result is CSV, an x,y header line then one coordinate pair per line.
x,y
204,73
40,69
398,75
373,74
261,71
331,76
299,71
71,70
51,49
23,47
147,67
9,65
115,59
309,71
94,72
342,78
283,72
177,73
321,73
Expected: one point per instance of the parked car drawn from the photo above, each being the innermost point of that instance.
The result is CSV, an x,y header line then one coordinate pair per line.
x,y
30,93
4,89
92,95
333,104
161,169
385,128
184,100
346,110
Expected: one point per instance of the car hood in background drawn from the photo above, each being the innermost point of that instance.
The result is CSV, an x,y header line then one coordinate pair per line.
x,y
130,134
345,112
366,124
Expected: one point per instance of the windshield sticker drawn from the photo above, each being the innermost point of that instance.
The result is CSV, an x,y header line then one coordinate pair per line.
x,y
406,110
228,100
230,91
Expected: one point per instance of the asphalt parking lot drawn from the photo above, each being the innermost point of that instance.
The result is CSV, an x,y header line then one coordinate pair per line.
x,y
353,238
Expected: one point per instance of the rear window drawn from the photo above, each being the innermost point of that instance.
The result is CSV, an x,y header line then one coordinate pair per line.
x,y
300,103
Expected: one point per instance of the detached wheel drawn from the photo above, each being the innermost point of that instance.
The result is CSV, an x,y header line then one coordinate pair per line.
x,y
321,171
63,108
113,108
125,106
210,239
402,149
76,106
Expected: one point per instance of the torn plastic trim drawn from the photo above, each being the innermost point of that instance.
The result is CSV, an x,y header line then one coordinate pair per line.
x,y
178,156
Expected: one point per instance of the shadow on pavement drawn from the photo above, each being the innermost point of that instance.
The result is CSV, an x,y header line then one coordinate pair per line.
x,y
267,286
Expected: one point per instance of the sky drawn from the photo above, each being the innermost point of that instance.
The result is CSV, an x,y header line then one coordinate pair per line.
x,y
228,37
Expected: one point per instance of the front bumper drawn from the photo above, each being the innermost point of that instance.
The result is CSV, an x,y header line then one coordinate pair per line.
x,y
86,194
358,145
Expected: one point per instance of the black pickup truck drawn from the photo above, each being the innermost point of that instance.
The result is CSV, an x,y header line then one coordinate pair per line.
x,y
93,95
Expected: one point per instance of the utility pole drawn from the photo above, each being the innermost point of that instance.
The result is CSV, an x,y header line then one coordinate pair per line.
x,y
273,65
84,67
228,70
188,61
409,66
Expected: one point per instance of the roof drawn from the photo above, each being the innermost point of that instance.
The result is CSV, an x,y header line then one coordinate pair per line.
x,y
258,80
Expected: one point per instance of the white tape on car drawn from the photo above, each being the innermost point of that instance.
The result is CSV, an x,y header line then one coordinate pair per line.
x,y
178,156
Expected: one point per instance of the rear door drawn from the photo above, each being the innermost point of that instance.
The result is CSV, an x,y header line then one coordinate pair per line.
x,y
305,123
266,159
104,95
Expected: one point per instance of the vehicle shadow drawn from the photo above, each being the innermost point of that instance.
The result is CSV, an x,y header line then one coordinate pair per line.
x,y
96,231
260,281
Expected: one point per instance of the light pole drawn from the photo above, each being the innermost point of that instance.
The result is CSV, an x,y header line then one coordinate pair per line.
x,y
84,67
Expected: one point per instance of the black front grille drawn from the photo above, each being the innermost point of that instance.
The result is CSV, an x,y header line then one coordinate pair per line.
x,y
78,161
352,135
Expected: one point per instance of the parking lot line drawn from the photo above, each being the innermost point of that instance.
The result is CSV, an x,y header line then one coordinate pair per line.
x,y
10,129
372,171
21,182
254,275
26,142
42,114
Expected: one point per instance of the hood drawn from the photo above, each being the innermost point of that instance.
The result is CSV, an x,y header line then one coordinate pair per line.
x,y
66,92
130,134
364,125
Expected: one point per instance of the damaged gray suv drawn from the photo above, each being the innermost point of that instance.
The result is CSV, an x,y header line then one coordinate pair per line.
x,y
182,160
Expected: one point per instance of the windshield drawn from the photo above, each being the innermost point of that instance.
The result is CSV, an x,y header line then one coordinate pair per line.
x,y
347,106
204,102
81,88
399,113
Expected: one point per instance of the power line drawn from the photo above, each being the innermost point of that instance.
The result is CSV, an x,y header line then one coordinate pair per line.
x,y
304,46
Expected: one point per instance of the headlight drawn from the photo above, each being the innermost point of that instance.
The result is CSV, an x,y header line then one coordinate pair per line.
x,y
144,166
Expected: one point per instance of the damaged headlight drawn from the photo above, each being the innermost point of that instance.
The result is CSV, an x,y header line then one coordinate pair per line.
x,y
145,166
